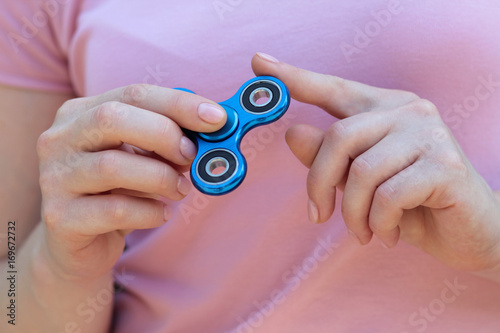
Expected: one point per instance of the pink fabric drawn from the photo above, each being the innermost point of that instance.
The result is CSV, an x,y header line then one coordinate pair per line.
x,y
250,261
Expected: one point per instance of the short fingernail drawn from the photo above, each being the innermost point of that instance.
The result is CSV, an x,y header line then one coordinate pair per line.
x,y
167,212
353,236
183,186
268,57
210,113
188,149
384,245
313,212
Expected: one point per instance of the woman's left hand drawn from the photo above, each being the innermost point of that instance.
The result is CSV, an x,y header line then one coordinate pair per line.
x,y
402,173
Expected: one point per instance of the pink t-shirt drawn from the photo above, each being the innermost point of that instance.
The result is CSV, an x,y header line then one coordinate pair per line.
x,y
250,261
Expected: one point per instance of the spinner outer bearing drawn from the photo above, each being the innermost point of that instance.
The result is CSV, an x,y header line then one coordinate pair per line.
x,y
202,166
218,147
246,99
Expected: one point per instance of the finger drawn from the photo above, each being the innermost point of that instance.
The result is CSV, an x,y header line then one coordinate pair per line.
x,y
188,110
150,154
111,124
100,214
339,97
344,140
132,193
107,170
370,169
304,141
408,189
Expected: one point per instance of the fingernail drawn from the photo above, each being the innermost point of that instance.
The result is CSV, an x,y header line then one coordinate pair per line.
x,y
353,236
313,212
183,186
268,57
384,245
167,213
210,113
188,149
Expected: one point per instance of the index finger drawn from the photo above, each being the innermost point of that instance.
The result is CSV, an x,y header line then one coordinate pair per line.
x,y
190,111
339,97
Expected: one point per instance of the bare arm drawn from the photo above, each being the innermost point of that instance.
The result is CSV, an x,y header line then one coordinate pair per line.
x,y
24,115
43,301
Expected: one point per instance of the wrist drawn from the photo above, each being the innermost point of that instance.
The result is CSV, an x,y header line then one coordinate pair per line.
x,y
55,299
47,274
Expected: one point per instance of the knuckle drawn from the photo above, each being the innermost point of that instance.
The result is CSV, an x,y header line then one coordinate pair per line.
x,y
406,97
360,167
424,108
166,180
70,105
135,93
337,131
72,108
45,144
313,179
410,96
441,134
164,127
453,161
158,215
106,113
51,214
175,101
116,209
107,164
318,186
385,195
338,84
341,88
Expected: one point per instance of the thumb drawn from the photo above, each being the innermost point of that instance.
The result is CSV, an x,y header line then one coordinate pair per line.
x,y
304,142
339,97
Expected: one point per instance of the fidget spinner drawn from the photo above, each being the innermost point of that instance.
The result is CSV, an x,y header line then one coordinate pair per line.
x,y
219,166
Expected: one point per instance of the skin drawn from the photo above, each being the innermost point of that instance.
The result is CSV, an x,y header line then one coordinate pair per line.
x,y
104,165
103,170
402,173
109,187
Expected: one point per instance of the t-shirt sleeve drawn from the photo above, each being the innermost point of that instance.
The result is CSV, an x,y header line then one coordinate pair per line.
x,y
35,36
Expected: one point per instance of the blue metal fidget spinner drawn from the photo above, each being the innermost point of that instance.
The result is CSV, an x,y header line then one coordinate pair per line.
x,y
220,167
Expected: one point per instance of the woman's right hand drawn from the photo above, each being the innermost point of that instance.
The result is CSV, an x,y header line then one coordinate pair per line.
x,y
96,185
